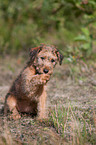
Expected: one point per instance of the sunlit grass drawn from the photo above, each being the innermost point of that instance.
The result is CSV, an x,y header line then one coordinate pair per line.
x,y
77,127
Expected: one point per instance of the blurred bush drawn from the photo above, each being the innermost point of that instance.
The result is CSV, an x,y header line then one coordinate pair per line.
x,y
27,23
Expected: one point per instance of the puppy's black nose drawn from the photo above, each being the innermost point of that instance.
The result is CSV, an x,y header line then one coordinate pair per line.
x,y
45,71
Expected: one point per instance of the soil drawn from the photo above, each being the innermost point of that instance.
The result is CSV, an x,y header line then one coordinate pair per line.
x,y
77,87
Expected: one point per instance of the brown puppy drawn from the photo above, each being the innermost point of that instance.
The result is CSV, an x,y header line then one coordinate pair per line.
x,y
27,94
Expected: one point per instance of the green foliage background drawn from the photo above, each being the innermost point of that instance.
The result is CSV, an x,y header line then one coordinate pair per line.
x,y
65,23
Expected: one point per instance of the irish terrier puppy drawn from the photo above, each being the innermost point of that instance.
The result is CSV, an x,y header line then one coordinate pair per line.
x,y
27,94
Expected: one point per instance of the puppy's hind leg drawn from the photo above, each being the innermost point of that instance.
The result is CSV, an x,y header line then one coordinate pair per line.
x,y
11,105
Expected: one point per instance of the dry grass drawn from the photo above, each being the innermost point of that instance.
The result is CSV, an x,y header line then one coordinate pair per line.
x,y
71,105
73,125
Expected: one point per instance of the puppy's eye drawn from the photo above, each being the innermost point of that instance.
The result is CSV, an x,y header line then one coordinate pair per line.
x,y
42,58
52,60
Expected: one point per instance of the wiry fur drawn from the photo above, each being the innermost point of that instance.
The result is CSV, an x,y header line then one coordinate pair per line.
x,y
28,94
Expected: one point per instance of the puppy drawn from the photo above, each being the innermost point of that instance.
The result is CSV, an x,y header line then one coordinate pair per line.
x,y
28,94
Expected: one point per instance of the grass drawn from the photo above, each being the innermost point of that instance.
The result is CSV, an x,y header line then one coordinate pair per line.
x,y
78,128
71,125
72,116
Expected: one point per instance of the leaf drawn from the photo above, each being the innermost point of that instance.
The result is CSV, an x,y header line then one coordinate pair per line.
x,y
92,2
86,46
81,38
85,31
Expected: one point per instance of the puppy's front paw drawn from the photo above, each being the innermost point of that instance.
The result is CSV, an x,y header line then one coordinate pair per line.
x,y
44,78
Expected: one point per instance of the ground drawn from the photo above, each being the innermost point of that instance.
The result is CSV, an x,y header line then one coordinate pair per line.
x,y
71,106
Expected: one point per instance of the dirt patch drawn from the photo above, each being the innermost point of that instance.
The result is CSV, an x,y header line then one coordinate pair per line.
x,y
77,88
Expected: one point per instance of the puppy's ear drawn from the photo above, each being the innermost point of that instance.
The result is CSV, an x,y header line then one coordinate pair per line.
x,y
60,56
34,51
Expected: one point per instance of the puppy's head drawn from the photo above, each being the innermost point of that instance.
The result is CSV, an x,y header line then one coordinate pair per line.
x,y
44,58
